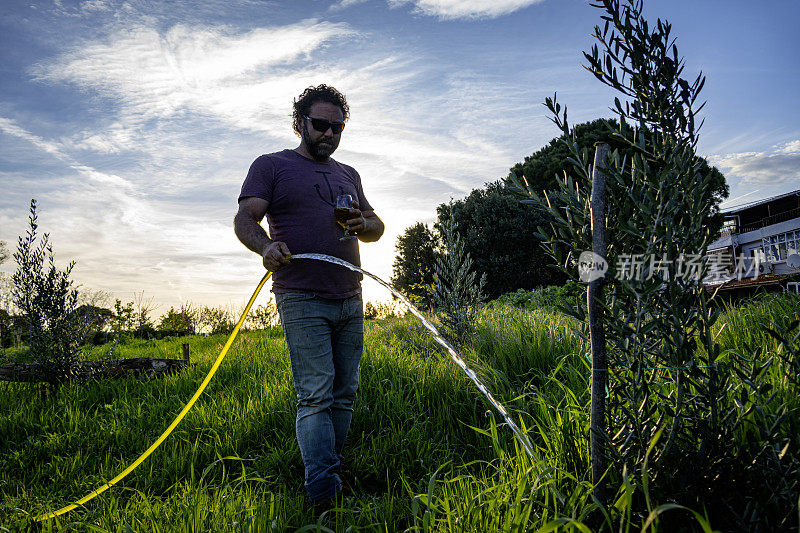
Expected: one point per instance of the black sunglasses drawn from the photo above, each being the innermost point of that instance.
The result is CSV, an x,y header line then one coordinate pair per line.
x,y
322,125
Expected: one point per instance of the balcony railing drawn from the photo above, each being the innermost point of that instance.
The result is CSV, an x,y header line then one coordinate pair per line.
x,y
751,227
780,217
764,222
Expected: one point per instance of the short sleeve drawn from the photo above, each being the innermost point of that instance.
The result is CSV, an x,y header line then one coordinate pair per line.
x,y
363,203
260,180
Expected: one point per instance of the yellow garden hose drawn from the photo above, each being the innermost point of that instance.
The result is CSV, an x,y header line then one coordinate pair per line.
x,y
174,423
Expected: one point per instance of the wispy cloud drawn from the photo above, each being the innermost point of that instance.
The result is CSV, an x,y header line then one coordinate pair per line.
x,y
119,234
777,166
466,9
88,6
81,9
201,69
344,4
118,194
10,127
167,85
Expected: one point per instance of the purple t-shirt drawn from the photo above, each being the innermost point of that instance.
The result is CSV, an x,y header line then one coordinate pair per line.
x,y
301,194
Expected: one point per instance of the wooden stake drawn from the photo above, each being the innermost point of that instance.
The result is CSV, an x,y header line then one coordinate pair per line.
x,y
597,435
185,351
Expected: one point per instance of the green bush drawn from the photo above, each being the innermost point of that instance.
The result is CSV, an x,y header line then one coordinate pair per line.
x,y
552,297
48,302
183,320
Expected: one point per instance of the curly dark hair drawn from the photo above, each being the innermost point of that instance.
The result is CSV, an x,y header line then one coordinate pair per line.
x,y
320,93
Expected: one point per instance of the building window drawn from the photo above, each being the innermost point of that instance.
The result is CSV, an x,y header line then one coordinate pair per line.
x,y
729,227
779,247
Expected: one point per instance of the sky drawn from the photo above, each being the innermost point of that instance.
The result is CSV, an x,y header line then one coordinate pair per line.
x,y
133,122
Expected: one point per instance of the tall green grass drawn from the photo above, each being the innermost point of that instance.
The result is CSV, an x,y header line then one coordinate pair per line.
x,y
425,452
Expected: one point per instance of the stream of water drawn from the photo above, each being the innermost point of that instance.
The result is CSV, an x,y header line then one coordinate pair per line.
x,y
523,439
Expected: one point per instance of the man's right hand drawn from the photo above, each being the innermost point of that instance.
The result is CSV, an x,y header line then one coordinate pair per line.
x,y
276,255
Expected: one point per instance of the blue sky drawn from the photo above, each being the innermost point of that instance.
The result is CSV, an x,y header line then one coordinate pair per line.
x,y
133,123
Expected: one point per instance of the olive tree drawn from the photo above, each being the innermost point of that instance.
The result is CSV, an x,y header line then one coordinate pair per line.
x,y
48,301
677,407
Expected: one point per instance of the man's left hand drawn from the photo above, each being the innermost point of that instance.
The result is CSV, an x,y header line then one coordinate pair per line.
x,y
366,225
357,222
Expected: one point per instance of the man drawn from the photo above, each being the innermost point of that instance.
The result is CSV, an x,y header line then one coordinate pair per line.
x,y
319,303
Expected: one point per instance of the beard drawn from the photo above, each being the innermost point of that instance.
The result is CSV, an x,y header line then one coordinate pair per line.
x,y
320,149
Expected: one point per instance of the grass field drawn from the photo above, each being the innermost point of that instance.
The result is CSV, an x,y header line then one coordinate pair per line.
x,y
425,451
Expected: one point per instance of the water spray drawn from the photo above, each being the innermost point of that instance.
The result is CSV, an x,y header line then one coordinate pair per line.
x,y
522,437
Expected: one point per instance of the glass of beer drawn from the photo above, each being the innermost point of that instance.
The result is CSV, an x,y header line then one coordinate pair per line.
x,y
343,211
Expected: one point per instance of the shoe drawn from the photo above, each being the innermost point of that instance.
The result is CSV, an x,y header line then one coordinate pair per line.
x,y
350,484
324,506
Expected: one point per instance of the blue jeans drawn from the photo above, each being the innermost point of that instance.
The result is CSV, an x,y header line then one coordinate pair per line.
x,y
325,339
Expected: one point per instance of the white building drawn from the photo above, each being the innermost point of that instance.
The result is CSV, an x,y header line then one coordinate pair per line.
x,y
759,246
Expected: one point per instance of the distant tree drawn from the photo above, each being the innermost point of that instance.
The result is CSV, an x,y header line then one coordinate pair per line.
x,y
412,271
93,317
180,321
6,299
96,298
500,235
93,321
6,323
6,292
144,321
543,169
379,310
215,320
122,320
264,316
